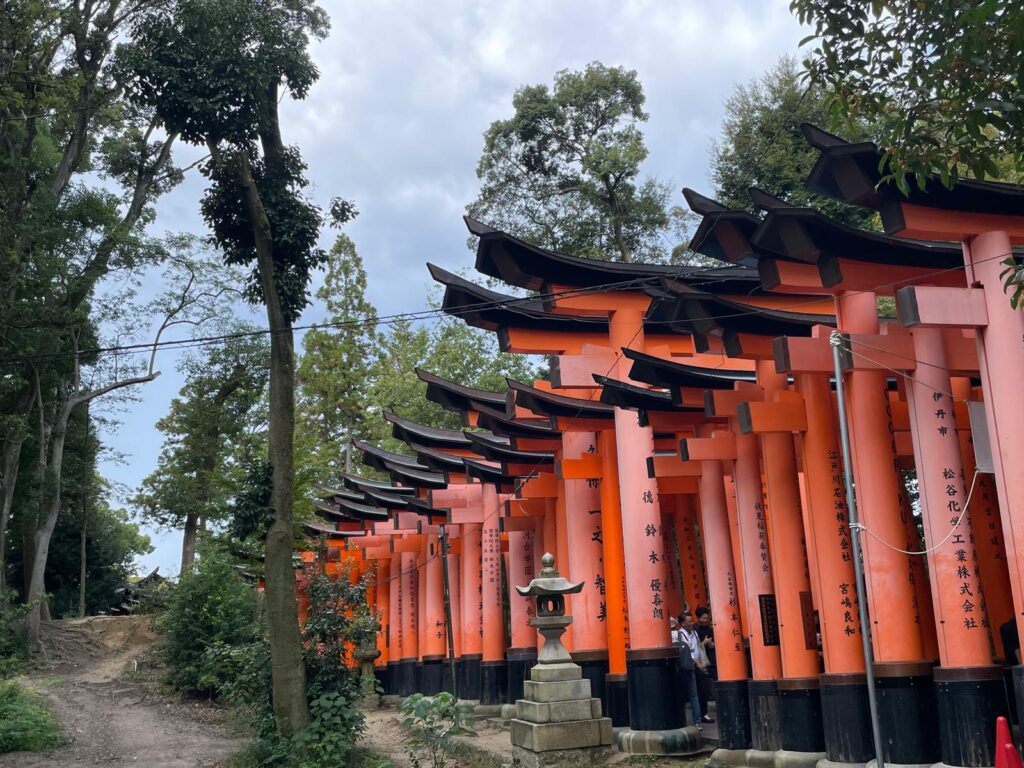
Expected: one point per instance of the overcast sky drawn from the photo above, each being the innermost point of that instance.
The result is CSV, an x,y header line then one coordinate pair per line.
x,y
395,124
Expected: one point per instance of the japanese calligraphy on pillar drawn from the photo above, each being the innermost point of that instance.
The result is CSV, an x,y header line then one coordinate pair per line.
x,y
847,596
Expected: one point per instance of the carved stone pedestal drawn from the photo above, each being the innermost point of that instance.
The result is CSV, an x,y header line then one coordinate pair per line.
x,y
557,722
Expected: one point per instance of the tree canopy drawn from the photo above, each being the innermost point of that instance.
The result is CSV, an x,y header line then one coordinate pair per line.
x,y
941,81
564,171
761,144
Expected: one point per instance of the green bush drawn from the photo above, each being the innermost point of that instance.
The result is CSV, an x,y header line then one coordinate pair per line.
x,y
329,739
211,611
434,723
25,726
13,647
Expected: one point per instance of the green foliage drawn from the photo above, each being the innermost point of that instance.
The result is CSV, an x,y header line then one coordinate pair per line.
x,y
339,618
212,70
25,726
212,610
112,543
334,371
761,145
209,428
329,739
207,67
563,171
941,81
434,723
13,647
1013,281
451,349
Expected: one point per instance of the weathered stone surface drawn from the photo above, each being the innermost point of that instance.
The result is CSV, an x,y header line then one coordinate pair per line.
x,y
557,711
562,758
723,758
562,690
761,758
785,758
550,673
831,764
677,741
546,737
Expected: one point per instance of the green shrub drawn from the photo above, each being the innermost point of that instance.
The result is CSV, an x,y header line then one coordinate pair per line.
x,y
211,610
13,645
329,739
25,726
434,723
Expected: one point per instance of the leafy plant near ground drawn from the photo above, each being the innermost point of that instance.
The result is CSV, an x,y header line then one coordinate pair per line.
x,y
217,646
13,646
25,726
330,738
212,610
434,723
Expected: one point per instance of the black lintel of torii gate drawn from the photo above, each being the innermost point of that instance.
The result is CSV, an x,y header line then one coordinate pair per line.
x,y
670,375
498,450
409,431
850,171
519,263
552,405
458,397
362,484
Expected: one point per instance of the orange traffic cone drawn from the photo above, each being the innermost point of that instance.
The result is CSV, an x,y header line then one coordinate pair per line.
x,y
1002,739
1011,759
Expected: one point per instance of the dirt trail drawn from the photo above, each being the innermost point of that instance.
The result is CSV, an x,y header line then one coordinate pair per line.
x,y
110,714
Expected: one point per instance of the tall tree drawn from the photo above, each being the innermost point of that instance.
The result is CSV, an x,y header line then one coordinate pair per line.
x,y
79,170
941,80
205,432
761,144
564,171
214,71
334,371
91,374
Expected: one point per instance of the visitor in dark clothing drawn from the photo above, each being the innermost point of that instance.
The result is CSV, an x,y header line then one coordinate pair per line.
x,y
707,676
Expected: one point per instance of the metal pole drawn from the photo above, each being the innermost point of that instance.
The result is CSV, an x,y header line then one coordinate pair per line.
x,y
836,340
448,612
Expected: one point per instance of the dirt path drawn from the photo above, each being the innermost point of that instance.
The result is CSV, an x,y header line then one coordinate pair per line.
x,y
110,715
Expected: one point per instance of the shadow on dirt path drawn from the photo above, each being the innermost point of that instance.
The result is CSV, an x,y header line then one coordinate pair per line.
x,y
110,715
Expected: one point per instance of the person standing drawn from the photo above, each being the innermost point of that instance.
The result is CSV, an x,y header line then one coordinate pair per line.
x,y
686,640
707,675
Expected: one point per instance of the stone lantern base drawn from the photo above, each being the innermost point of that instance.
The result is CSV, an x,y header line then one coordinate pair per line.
x,y
559,722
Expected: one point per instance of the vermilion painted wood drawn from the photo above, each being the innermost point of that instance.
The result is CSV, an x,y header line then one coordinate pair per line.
x,y
896,633
723,579
826,526
959,611
765,660
585,548
785,535
470,571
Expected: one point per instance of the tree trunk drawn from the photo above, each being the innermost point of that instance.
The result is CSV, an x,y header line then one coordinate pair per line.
x,y
288,672
9,464
81,570
10,461
44,531
188,544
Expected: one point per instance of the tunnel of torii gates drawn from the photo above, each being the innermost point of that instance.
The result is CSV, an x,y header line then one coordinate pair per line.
x,y
686,451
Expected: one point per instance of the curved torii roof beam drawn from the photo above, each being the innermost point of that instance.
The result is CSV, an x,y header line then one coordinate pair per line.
x,y
363,484
432,437
851,172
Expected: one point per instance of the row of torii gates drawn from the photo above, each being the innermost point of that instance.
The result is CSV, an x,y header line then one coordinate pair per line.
x,y
686,450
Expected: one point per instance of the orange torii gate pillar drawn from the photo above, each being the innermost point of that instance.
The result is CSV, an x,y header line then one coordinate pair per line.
x,y
844,714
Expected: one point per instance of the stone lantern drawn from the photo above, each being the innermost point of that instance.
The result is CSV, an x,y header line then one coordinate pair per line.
x,y
558,721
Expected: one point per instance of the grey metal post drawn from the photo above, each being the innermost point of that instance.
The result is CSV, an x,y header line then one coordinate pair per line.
x,y
448,612
836,340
